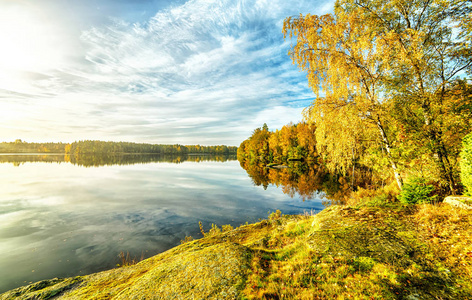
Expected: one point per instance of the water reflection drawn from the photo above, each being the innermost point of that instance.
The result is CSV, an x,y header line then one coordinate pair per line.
x,y
60,219
305,180
109,159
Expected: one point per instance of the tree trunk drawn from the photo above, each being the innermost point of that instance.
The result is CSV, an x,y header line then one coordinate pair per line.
x,y
393,164
445,167
440,150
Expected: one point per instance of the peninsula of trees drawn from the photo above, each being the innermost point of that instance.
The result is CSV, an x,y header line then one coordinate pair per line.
x,y
293,141
391,87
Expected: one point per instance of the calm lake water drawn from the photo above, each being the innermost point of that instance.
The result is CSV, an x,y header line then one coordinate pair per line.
x,y
59,219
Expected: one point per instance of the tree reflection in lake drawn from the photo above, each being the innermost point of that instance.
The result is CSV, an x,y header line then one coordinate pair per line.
x,y
109,159
131,159
308,180
17,159
61,219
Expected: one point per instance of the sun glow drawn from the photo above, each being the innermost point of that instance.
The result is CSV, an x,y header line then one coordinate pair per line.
x,y
28,43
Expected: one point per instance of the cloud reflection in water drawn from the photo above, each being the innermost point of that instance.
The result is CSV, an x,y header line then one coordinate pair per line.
x,y
59,219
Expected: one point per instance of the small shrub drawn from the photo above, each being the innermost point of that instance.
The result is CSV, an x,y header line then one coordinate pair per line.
x,y
275,215
416,191
214,230
466,164
226,228
186,240
201,228
126,259
374,197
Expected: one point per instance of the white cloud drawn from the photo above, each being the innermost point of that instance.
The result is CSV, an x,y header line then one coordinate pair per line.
x,y
202,72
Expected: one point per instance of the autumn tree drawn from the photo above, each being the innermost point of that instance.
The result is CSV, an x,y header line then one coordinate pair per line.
x,y
256,146
384,63
345,69
429,48
291,141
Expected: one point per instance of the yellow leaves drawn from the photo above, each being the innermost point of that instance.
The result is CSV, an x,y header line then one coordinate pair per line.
x,y
370,50
338,53
338,131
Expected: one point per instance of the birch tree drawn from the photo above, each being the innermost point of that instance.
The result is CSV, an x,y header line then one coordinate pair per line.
x,y
429,49
345,68
373,57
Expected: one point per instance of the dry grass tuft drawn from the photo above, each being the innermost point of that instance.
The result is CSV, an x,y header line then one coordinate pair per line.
x,y
127,260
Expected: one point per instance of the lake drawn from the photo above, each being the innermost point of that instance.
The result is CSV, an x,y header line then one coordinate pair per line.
x,y
60,218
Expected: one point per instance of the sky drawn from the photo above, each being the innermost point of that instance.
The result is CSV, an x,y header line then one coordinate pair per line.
x,y
202,72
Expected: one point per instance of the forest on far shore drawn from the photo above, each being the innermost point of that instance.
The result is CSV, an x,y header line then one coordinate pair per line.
x,y
101,147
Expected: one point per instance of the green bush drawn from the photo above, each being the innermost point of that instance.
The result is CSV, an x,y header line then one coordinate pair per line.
x,y
416,191
466,164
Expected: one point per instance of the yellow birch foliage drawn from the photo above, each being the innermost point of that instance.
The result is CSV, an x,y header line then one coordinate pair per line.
x,y
345,66
372,57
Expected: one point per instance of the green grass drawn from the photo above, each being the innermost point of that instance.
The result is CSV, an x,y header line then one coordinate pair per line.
x,y
366,252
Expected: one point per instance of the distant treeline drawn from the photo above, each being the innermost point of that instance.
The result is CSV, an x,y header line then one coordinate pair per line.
x,y
90,147
100,147
19,146
293,141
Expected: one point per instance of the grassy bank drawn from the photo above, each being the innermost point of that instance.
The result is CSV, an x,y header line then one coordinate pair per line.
x,y
388,252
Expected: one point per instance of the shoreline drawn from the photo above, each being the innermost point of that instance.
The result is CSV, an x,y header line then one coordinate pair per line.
x,y
386,252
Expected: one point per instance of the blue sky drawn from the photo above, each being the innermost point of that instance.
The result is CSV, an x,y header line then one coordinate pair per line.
x,y
168,71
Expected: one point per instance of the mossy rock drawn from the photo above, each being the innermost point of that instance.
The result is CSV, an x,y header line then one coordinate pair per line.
x,y
190,271
459,201
45,289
